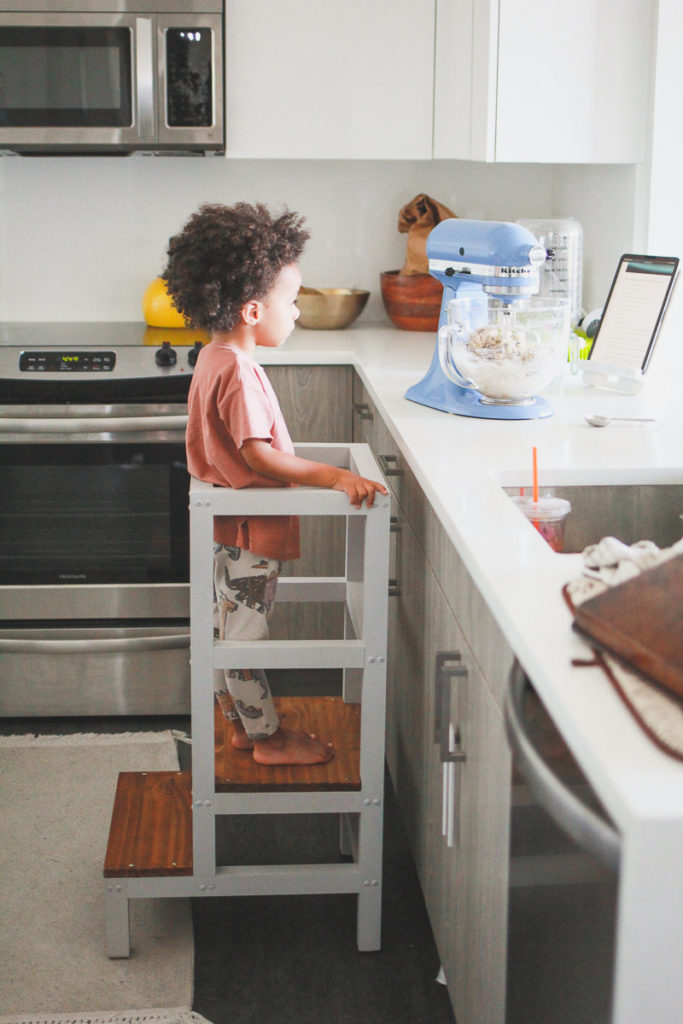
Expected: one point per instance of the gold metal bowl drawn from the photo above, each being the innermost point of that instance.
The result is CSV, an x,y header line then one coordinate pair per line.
x,y
328,309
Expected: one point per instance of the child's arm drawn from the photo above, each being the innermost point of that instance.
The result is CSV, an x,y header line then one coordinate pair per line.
x,y
290,469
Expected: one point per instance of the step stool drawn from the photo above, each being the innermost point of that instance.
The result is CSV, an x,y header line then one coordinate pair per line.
x,y
162,840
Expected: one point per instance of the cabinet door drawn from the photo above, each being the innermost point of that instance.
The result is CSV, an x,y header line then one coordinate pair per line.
x,y
573,81
322,80
464,883
542,82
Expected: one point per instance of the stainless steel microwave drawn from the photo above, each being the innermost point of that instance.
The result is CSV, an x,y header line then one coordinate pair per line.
x,y
111,76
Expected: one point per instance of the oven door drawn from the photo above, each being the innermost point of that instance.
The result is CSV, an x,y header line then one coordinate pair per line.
x,y
94,560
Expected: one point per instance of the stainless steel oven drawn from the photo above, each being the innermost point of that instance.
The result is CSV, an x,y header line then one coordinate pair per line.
x,y
94,519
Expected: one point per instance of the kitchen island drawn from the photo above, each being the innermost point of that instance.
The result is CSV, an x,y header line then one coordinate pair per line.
x,y
462,465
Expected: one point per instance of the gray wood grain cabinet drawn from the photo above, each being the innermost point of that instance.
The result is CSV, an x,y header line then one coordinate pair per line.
x,y
437,612
316,404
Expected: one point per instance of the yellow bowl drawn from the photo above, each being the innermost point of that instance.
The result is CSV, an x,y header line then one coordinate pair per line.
x,y
328,309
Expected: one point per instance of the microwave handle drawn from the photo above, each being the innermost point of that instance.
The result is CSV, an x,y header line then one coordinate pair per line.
x,y
90,425
144,76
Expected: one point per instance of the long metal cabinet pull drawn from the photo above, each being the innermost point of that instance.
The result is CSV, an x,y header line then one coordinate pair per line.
x,y
581,823
103,645
389,465
395,581
448,666
362,409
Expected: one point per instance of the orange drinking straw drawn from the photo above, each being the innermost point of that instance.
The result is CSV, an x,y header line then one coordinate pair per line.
x,y
534,459
534,456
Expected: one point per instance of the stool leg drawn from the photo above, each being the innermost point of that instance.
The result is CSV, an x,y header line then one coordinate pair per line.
x,y
369,920
117,922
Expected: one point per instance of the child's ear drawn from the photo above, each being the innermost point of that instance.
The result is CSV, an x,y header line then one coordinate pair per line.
x,y
251,312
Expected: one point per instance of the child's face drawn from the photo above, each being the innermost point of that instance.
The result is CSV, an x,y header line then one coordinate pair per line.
x,y
278,312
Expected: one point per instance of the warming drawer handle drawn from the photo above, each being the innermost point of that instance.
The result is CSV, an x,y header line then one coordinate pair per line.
x,y
91,424
113,645
584,826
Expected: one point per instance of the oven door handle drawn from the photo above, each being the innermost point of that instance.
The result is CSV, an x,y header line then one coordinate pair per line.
x,y
90,424
103,645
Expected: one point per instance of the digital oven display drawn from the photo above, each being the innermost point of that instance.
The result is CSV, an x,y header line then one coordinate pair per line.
x,y
70,362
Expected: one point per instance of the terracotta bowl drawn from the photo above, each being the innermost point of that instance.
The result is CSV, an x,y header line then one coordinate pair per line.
x,y
412,301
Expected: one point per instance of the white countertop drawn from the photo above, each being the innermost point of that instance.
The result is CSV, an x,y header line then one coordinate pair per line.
x,y
460,463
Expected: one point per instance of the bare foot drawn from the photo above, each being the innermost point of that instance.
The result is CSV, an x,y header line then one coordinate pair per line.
x,y
239,738
288,747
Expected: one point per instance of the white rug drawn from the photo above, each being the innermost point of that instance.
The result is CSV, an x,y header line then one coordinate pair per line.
x,y
177,1016
56,798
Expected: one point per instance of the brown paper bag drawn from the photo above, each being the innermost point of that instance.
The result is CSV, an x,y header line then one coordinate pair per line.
x,y
417,218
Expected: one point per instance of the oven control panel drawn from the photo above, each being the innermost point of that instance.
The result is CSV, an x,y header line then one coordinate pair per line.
x,y
56,361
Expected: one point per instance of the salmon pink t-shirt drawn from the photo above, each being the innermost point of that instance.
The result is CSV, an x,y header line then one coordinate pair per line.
x,y
230,401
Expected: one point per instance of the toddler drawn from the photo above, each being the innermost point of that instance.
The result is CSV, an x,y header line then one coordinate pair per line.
x,y
233,272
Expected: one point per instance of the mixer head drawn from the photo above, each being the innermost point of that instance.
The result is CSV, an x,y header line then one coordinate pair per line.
x,y
500,257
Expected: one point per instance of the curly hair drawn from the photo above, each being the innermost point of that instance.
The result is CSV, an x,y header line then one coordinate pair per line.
x,y
226,256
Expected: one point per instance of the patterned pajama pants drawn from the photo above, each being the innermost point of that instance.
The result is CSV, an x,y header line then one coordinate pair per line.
x,y
245,586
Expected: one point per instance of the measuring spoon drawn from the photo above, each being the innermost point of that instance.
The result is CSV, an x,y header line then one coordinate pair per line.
x,y
596,420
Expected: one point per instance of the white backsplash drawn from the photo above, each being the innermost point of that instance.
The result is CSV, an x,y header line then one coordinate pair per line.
x,y
80,238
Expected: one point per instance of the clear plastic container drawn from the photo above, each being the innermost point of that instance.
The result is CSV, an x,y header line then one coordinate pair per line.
x,y
561,276
549,516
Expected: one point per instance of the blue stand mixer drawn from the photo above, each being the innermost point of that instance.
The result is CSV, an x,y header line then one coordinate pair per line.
x,y
479,259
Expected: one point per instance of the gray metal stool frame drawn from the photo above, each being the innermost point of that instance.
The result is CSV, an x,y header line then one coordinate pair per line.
x,y
362,656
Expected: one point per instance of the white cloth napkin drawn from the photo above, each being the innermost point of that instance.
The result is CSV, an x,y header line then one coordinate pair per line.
x,y
612,561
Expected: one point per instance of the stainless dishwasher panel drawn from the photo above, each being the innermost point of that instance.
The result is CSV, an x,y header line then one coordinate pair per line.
x,y
562,899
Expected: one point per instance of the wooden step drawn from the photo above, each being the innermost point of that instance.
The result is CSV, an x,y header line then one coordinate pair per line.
x,y
151,826
328,717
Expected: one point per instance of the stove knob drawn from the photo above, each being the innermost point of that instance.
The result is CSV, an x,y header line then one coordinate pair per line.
x,y
193,354
165,356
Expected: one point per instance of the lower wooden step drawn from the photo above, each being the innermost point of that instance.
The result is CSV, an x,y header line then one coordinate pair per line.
x,y
151,826
328,717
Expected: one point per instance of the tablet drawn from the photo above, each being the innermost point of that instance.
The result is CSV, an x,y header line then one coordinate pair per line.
x,y
634,311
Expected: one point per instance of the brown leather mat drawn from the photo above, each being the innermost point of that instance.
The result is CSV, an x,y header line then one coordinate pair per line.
x,y
658,711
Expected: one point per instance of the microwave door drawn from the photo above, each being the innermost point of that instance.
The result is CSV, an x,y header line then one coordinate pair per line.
x,y
190,81
77,82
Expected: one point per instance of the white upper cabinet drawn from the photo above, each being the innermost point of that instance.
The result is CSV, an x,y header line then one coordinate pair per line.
x,y
315,79
548,81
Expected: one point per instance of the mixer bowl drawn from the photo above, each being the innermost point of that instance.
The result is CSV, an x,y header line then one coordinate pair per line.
x,y
505,350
